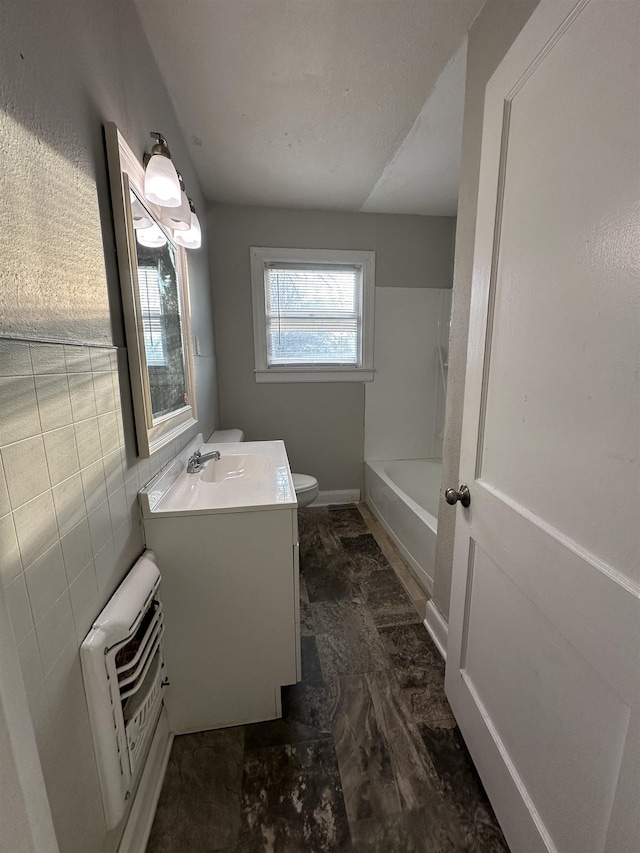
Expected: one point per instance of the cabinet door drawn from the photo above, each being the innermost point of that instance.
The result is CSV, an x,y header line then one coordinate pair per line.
x,y
228,586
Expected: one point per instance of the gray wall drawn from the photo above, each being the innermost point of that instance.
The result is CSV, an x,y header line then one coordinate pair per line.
x,y
321,423
69,525
490,38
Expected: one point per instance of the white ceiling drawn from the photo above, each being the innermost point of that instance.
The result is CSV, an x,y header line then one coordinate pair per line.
x,y
325,104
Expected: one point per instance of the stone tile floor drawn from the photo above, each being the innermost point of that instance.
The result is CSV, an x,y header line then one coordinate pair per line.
x,y
367,755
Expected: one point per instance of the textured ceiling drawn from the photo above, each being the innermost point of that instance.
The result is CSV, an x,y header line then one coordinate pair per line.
x,y
326,104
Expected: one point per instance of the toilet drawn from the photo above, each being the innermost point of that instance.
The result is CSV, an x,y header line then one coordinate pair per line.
x,y
306,486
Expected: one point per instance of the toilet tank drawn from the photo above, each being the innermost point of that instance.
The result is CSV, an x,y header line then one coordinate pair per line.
x,y
222,436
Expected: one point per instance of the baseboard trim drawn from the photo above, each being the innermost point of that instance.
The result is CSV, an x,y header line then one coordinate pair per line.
x,y
437,627
346,496
136,833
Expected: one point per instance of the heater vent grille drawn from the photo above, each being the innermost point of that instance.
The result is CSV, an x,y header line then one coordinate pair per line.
x,y
124,673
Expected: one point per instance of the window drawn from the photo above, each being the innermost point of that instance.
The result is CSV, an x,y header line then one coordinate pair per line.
x,y
313,315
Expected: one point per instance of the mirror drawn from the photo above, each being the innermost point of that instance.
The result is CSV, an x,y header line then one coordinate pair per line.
x,y
153,282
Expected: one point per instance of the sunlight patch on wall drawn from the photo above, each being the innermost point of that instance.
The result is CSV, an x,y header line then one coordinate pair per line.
x,y
52,278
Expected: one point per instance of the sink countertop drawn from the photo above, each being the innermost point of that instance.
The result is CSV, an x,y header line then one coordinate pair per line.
x,y
251,475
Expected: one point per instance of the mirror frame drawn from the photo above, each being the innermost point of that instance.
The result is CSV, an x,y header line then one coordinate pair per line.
x,y
126,171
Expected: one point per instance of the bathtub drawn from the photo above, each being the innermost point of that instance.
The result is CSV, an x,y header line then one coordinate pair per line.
x,y
403,495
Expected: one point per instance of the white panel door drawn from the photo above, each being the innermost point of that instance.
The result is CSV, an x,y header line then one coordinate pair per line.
x,y
543,656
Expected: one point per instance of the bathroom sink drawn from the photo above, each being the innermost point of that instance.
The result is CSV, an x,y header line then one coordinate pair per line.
x,y
246,466
252,475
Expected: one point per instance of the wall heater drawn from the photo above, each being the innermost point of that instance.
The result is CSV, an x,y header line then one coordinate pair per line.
x,y
124,673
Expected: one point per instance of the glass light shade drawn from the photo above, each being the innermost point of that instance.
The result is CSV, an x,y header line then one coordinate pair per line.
x,y
161,184
152,237
191,239
141,218
177,218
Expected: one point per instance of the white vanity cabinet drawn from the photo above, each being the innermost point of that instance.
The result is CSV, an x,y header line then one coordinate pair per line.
x,y
230,593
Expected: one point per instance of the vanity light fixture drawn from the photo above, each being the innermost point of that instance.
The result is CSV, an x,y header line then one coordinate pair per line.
x,y
178,218
161,183
191,239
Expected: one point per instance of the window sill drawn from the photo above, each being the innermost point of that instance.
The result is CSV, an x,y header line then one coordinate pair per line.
x,y
295,374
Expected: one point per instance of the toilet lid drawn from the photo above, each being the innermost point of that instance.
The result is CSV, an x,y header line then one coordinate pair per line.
x,y
304,482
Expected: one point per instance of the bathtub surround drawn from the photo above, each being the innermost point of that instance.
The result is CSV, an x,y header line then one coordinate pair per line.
x,y
321,423
69,475
367,756
404,420
404,405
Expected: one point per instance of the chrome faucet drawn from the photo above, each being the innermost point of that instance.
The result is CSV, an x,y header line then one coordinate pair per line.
x,y
197,460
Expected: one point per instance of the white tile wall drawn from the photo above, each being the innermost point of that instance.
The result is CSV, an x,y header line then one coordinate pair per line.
x,y
77,360
104,562
5,505
19,608
55,630
46,581
36,527
103,388
118,509
25,468
68,499
84,600
87,441
100,528
30,663
47,358
76,550
62,454
11,564
54,402
93,484
19,413
82,396
15,358
69,532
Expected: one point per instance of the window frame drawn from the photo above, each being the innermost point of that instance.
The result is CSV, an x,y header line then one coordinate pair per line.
x,y
261,256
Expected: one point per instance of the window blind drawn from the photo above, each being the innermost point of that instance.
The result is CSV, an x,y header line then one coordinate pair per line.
x,y
313,314
150,302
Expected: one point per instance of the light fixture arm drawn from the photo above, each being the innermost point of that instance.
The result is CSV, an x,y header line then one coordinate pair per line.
x,y
160,146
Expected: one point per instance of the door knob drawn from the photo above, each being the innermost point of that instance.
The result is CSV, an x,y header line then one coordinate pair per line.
x,y
464,496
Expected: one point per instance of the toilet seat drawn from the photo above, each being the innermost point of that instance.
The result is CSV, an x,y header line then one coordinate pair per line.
x,y
306,487
303,483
